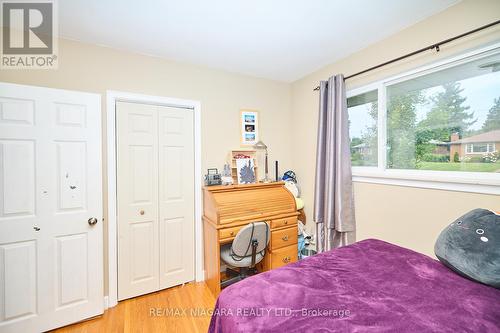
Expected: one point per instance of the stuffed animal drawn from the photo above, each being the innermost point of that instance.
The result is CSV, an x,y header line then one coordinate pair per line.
x,y
471,246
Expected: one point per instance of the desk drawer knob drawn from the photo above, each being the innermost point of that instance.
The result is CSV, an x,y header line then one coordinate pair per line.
x,y
286,221
285,238
232,233
286,260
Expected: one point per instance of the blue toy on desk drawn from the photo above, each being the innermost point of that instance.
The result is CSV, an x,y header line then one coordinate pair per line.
x,y
289,175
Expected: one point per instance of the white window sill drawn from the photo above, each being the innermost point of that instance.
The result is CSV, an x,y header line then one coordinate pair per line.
x,y
473,182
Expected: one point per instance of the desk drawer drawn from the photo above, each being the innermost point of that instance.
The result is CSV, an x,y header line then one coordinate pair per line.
x,y
283,256
283,222
283,237
229,232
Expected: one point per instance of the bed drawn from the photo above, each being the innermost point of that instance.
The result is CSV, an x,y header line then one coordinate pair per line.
x,y
368,286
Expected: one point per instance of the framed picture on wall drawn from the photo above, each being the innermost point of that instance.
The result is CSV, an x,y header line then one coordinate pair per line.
x,y
249,124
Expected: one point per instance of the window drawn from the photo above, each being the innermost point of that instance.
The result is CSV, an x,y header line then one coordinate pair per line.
x,y
480,148
444,118
363,113
431,116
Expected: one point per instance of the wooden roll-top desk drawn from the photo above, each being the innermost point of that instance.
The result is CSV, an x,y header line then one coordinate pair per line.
x,y
228,208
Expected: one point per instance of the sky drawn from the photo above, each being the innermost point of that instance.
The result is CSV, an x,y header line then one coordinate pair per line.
x,y
359,120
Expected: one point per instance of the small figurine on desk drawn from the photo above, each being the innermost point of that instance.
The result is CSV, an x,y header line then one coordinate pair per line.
x,y
227,178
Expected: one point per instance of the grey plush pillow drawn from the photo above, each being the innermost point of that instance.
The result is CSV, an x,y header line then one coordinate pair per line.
x,y
471,246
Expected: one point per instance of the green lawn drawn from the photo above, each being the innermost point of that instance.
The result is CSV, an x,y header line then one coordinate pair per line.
x,y
471,167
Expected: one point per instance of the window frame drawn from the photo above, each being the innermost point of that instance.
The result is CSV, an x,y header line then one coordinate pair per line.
x,y
475,182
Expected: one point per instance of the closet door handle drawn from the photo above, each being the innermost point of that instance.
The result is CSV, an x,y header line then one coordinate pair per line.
x,y
92,221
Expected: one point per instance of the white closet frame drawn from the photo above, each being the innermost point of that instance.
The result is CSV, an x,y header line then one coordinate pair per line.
x,y
118,96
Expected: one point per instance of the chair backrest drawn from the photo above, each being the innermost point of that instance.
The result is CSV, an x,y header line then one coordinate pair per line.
x,y
242,243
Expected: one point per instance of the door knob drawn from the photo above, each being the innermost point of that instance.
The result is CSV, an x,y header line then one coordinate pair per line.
x,y
92,221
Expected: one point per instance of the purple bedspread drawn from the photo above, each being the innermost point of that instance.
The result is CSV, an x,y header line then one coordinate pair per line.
x,y
370,286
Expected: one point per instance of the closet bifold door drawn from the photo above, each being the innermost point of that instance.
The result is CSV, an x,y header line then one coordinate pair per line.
x,y
137,199
176,195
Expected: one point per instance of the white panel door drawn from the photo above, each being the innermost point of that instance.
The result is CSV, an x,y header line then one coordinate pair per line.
x,y
51,270
155,186
137,199
176,195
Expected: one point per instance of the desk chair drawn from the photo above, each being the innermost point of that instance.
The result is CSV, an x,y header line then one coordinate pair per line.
x,y
247,249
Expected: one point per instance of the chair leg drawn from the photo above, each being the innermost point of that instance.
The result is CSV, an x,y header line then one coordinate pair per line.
x,y
235,276
230,281
231,272
247,271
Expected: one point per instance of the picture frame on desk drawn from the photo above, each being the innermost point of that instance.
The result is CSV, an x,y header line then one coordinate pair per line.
x,y
249,125
245,171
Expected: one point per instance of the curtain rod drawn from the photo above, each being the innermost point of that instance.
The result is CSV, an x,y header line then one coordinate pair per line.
x,y
434,46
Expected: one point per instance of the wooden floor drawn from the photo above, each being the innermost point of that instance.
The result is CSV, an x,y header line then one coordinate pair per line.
x,y
177,309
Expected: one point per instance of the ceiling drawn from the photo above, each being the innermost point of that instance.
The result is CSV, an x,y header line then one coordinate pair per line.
x,y
275,39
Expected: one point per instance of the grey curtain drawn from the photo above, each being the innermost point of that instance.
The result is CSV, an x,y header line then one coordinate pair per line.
x,y
333,197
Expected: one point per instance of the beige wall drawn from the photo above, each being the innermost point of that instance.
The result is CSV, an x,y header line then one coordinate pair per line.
x,y
412,217
92,68
96,69
406,216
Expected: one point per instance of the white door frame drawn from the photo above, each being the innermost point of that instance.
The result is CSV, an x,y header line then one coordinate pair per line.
x,y
117,96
